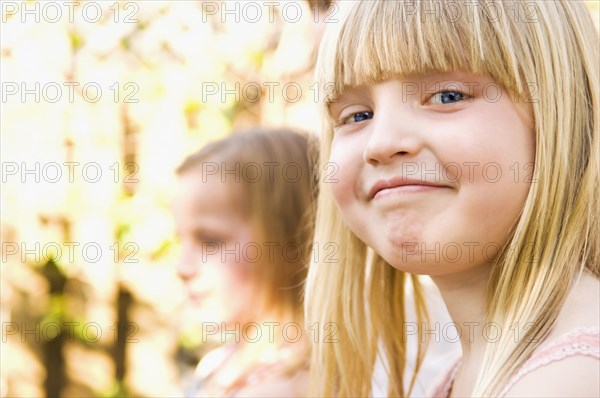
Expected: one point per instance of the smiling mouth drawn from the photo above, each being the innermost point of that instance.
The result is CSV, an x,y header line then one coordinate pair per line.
x,y
197,297
401,185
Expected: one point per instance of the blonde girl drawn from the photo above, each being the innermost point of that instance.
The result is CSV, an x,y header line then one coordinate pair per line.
x,y
244,215
466,135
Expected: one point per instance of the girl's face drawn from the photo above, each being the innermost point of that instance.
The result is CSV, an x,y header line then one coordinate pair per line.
x,y
433,169
213,235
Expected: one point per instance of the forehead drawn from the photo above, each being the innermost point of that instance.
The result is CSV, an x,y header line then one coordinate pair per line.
x,y
201,197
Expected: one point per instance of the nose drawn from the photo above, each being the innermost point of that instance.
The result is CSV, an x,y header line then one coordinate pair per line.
x,y
186,267
185,271
394,133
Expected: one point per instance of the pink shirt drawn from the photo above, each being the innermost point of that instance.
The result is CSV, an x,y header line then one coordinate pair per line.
x,y
580,341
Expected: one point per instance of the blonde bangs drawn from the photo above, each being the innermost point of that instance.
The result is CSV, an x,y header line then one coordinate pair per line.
x,y
456,36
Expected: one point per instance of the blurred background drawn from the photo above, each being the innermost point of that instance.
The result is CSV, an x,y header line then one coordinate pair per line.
x,y
101,101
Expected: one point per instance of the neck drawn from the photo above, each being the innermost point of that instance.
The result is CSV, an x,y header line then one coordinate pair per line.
x,y
269,334
275,349
464,294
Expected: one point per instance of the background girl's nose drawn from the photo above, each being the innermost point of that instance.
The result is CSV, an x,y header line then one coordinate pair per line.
x,y
186,267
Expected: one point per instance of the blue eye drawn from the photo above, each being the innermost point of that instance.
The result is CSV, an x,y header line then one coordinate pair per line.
x,y
447,97
358,117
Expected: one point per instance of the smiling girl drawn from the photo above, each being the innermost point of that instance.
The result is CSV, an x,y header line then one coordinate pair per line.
x,y
467,140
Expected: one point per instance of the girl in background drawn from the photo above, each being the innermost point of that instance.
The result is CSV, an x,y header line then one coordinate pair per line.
x,y
244,214
467,140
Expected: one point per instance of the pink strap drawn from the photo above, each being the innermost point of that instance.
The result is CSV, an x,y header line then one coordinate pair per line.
x,y
580,341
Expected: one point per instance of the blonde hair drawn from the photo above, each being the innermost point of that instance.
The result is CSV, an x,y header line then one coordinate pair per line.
x,y
278,199
549,58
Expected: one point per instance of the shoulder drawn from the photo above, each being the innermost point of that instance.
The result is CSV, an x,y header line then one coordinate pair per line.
x,y
580,311
568,362
575,376
581,307
212,360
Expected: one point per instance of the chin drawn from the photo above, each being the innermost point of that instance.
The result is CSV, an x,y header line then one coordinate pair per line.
x,y
413,263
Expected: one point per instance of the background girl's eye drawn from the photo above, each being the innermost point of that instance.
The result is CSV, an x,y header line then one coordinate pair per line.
x,y
206,239
447,97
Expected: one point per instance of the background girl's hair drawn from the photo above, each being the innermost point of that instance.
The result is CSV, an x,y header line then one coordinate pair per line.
x,y
547,56
277,194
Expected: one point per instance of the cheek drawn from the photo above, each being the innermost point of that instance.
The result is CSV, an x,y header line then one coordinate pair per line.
x,y
511,134
493,190
236,279
344,166
237,291
231,292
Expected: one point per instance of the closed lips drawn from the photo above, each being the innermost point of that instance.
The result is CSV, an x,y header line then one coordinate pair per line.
x,y
383,185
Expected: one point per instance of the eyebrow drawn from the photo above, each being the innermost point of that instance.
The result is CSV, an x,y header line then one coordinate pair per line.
x,y
333,112
348,91
331,101
209,229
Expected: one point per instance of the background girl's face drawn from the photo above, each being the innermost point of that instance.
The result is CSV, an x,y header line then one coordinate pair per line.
x,y
213,234
434,169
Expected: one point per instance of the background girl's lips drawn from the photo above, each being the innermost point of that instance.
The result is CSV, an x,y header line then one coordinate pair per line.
x,y
197,297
